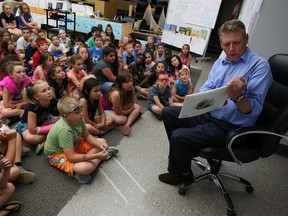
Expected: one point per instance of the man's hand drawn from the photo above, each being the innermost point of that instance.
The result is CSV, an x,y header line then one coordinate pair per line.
x,y
235,87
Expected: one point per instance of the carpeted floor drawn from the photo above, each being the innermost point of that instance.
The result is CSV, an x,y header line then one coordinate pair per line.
x,y
53,188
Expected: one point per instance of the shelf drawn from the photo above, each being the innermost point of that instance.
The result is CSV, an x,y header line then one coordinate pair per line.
x,y
60,16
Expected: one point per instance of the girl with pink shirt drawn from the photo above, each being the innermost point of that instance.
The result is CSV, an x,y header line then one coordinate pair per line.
x,y
76,75
8,47
13,84
177,66
45,62
185,55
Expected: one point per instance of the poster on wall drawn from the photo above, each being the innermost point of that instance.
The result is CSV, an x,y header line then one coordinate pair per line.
x,y
196,36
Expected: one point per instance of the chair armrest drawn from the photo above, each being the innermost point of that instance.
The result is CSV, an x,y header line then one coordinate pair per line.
x,y
240,132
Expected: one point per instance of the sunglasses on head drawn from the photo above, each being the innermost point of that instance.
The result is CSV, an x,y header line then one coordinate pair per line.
x,y
76,109
164,79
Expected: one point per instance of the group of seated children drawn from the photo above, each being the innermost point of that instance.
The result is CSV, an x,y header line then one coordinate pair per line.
x,y
91,95
164,82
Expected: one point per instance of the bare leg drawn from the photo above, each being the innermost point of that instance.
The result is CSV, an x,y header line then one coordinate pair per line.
x,y
18,148
133,115
155,109
87,167
6,193
8,112
33,139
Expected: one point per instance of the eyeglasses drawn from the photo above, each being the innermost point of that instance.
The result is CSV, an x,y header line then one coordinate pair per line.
x,y
164,80
76,110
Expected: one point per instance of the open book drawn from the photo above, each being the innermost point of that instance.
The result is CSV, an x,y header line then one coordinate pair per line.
x,y
202,102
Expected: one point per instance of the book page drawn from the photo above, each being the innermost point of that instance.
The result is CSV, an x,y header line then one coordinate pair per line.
x,y
202,102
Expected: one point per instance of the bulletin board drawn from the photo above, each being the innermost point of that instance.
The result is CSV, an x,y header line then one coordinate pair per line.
x,y
190,22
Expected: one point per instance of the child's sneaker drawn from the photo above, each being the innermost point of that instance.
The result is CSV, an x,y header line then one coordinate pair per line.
x,y
111,151
26,176
25,152
83,179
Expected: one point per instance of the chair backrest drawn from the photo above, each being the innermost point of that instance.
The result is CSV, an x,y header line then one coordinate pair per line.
x,y
140,8
275,111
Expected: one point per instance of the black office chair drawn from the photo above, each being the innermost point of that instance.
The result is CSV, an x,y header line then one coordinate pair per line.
x,y
245,145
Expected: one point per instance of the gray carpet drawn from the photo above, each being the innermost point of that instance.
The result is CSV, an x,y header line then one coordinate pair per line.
x,y
53,188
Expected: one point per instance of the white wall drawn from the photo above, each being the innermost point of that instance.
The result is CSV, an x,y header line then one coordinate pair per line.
x,y
271,29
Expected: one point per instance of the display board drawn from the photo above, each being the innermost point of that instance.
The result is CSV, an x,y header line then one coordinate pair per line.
x,y
190,21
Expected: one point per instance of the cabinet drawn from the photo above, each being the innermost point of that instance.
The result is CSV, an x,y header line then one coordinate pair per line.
x,y
84,25
60,20
108,9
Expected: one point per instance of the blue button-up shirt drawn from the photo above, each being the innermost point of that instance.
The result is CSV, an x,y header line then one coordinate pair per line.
x,y
257,84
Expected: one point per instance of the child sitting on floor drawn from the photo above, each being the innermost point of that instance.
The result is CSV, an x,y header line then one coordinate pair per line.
x,y
128,56
97,50
150,44
77,153
185,55
7,189
119,103
57,49
160,95
182,86
83,51
39,115
42,48
23,42
13,84
58,81
45,62
65,40
76,75
97,122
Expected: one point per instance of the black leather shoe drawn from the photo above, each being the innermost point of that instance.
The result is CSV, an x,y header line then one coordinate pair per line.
x,y
168,178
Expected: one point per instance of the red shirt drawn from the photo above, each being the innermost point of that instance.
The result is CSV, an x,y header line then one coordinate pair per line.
x,y
35,59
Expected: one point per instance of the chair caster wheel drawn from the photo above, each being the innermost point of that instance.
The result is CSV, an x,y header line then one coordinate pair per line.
x,y
249,189
182,191
231,212
196,61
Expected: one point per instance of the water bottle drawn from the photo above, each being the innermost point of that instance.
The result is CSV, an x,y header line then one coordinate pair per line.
x,y
98,13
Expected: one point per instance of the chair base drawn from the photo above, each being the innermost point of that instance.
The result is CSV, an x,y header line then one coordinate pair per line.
x,y
214,175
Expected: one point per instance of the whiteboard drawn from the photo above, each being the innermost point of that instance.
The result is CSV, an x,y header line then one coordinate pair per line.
x,y
197,12
203,13
180,15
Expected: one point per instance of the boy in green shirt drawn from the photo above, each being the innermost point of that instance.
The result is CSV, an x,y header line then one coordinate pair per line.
x,y
70,147
91,41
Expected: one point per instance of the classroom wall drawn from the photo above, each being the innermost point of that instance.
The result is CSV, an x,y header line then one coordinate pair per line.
x,y
270,33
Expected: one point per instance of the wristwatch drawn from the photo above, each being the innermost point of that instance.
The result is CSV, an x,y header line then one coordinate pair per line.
x,y
239,99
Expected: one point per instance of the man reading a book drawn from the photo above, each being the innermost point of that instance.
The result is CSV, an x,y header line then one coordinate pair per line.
x,y
246,95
